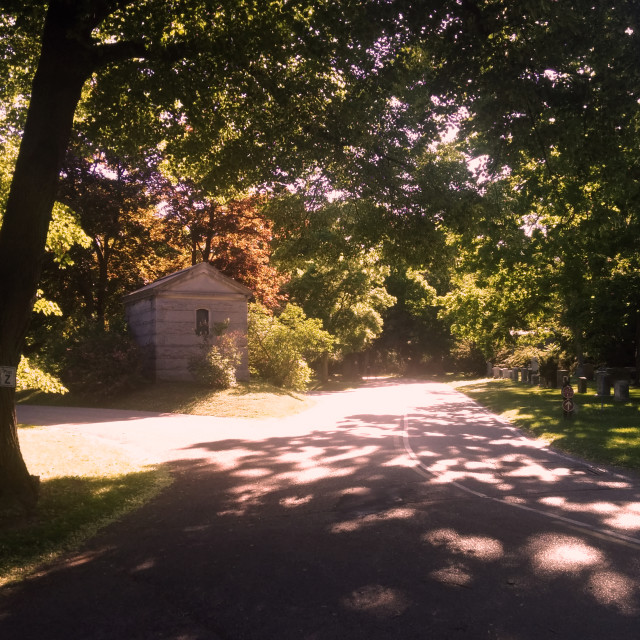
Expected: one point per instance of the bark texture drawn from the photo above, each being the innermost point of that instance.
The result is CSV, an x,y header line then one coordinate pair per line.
x,y
64,65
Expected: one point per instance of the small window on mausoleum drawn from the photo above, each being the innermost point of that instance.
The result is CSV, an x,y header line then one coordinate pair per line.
x,y
202,322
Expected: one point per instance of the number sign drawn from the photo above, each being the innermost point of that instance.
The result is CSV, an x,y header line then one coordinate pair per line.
x,y
7,377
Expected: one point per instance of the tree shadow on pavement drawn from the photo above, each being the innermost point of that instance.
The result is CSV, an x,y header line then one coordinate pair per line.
x,y
382,527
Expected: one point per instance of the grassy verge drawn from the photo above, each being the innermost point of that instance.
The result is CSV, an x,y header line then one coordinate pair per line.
x,y
85,485
608,433
247,400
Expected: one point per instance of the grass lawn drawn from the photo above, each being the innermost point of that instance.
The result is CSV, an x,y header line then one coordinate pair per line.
x,y
609,434
85,485
247,400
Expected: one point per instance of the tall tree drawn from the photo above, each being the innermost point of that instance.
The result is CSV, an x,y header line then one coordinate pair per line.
x,y
115,206
334,264
234,236
549,93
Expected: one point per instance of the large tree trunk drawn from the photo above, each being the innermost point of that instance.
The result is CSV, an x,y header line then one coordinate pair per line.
x,y
63,67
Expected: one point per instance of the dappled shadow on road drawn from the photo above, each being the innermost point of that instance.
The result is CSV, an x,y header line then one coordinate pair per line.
x,y
485,457
409,525
597,425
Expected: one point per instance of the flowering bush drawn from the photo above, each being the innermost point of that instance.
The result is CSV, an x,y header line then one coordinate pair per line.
x,y
216,364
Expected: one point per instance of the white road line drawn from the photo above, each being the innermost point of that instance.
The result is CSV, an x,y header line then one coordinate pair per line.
x,y
600,532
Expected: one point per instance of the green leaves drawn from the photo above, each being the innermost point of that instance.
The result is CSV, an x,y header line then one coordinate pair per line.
x,y
64,233
347,294
280,347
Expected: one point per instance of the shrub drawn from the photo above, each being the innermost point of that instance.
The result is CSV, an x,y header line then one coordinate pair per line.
x,y
215,366
31,375
466,357
102,363
280,347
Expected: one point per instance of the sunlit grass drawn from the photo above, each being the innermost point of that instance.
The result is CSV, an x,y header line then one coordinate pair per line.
x,y
606,432
85,484
247,400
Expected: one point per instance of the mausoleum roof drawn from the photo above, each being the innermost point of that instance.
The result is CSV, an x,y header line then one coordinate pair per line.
x,y
202,278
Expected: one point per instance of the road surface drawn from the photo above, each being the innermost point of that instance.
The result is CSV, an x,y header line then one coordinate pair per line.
x,y
395,511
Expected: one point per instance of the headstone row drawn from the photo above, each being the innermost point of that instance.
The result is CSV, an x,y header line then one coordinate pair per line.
x,y
605,379
517,374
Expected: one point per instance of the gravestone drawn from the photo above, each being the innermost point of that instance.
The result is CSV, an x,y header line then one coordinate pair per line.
x,y
489,369
588,370
515,374
535,379
535,367
568,405
603,383
496,372
561,374
621,390
582,384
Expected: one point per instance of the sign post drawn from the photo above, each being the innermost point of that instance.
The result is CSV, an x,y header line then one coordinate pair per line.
x,y
567,401
8,377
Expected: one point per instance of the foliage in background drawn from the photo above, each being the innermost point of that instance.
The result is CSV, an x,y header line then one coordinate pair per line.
x,y
414,339
65,232
282,346
347,294
335,272
114,202
102,363
466,358
551,100
233,235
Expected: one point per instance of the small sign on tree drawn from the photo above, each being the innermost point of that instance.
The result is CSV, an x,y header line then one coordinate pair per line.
x,y
8,377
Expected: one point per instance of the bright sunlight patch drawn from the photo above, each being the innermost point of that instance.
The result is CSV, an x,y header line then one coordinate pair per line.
x,y
85,484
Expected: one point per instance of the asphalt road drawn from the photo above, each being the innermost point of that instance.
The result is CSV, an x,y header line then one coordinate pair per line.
x,y
396,511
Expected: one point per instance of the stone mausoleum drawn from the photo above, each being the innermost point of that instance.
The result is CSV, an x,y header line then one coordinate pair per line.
x,y
169,317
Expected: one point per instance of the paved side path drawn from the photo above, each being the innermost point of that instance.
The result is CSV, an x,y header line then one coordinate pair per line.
x,y
394,511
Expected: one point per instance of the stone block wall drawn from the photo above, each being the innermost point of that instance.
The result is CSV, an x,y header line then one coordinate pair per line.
x,y
176,339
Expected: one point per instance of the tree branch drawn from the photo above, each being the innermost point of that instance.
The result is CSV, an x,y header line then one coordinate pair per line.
x,y
105,54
